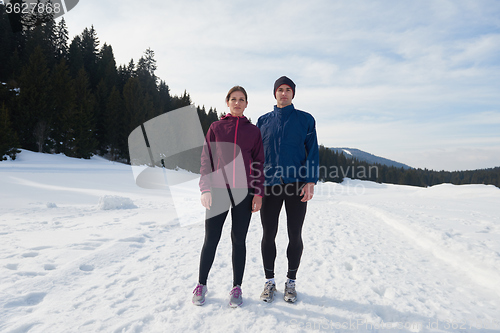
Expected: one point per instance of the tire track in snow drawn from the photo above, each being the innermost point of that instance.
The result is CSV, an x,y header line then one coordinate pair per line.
x,y
92,192
475,271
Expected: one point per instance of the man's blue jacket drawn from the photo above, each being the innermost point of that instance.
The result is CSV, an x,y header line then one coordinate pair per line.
x,y
290,146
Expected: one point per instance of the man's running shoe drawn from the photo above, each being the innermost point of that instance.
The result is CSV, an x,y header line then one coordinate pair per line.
x,y
290,294
199,294
235,297
268,293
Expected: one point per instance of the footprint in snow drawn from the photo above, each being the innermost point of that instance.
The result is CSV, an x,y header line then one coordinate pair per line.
x,y
485,231
12,267
134,240
380,291
49,267
389,292
147,223
39,248
27,300
30,254
86,268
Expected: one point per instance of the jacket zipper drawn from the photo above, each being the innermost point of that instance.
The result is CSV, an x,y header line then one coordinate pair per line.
x,y
234,151
281,134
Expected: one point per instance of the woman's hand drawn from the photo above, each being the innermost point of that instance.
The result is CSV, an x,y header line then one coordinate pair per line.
x,y
256,203
206,200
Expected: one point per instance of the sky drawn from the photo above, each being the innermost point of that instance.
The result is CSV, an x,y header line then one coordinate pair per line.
x,y
417,82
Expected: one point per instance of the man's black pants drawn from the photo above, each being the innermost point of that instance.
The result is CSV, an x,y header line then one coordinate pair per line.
x,y
272,203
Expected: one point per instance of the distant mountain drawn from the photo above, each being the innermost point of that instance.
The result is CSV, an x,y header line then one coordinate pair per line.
x,y
369,158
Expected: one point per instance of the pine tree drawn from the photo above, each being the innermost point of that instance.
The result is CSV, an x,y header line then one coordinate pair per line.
x,y
164,97
19,35
8,137
85,143
75,56
147,64
101,97
7,46
32,122
116,135
108,76
37,17
106,67
61,40
64,97
179,102
130,69
16,18
14,67
125,73
145,72
89,47
40,32
134,104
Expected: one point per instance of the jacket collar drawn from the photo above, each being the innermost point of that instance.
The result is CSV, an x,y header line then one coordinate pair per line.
x,y
229,116
285,110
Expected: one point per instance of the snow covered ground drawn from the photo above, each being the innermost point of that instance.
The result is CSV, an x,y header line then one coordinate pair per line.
x,y
84,249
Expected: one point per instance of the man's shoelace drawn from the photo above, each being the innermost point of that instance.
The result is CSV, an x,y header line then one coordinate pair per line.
x,y
268,289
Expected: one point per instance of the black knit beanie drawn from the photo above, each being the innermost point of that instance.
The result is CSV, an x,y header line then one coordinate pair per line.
x,y
284,80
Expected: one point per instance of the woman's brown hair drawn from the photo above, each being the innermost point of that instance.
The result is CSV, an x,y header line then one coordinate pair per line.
x,y
236,88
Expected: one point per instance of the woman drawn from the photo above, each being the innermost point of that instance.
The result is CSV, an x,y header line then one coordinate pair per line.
x,y
231,177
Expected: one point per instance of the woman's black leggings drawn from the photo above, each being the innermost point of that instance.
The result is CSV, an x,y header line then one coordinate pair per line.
x,y
215,217
295,212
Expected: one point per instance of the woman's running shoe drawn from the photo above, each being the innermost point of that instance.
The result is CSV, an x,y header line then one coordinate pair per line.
x,y
235,297
199,294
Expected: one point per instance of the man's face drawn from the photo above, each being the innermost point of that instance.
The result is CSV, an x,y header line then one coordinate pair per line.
x,y
284,95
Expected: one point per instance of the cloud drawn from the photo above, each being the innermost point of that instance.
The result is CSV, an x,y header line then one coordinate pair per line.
x,y
426,71
448,159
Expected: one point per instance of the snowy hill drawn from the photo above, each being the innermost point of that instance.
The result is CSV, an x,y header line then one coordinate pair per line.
x,y
370,158
84,249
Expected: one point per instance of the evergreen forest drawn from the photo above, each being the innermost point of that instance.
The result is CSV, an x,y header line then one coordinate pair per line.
x,y
69,96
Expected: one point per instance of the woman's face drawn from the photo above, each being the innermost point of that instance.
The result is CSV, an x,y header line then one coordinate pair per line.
x,y
237,103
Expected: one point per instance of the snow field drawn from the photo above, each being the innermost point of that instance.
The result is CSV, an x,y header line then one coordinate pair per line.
x,y
83,249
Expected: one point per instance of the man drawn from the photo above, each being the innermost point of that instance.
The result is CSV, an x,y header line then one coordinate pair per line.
x,y
291,171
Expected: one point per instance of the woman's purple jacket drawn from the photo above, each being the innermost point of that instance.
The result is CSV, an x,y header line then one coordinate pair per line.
x,y
233,156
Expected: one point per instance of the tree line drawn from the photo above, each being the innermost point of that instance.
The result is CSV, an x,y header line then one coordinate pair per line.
x,y
335,166
69,96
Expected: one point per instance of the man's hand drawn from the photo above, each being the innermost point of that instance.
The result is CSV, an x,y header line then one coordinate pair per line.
x,y
307,191
206,200
256,203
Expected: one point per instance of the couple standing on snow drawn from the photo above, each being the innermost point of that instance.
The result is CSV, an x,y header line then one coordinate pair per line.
x,y
246,167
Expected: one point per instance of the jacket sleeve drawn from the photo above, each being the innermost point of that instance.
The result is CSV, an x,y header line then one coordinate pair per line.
x,y
207,162
312,150
257,167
